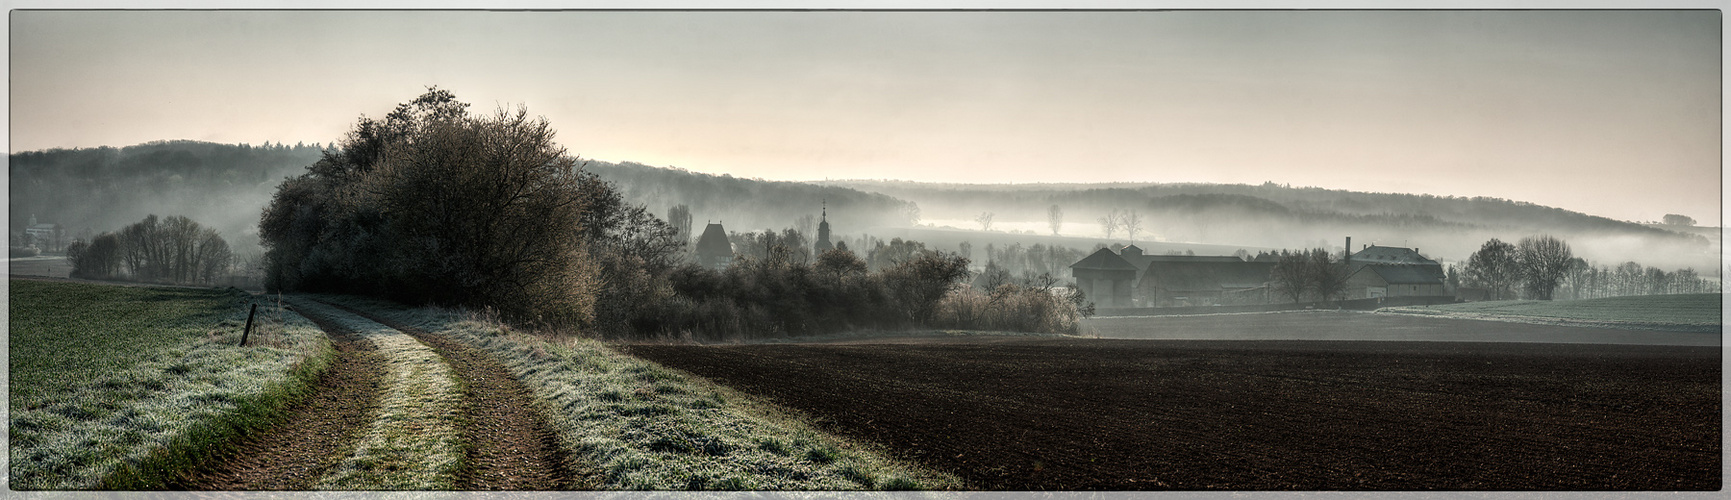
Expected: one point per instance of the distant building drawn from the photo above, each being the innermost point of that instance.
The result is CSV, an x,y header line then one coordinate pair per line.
x,y
1183,280
823,244
47,236
1394,280
1379,271
1105,278
1131,278
713,249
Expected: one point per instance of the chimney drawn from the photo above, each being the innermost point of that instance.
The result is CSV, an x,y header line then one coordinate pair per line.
x,y
1346,255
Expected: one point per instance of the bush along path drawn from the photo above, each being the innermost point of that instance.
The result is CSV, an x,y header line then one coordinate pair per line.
x,y
382,417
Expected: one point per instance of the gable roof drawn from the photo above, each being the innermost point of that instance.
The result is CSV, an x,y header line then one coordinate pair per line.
x,y
1105,260
714,241
1207,275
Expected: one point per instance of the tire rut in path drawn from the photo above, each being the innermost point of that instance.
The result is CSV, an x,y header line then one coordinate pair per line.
x,y
318,429
511,444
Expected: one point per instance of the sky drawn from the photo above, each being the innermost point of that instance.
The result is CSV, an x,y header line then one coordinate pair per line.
x,y
1612,113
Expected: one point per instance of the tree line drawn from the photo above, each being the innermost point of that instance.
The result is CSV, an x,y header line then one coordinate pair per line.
x,y
434,205
174,249
1539,266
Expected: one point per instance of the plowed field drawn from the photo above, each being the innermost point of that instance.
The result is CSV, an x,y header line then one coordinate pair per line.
x,y
1080,414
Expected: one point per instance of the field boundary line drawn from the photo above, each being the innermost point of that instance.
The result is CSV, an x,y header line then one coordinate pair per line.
x,y
1555,321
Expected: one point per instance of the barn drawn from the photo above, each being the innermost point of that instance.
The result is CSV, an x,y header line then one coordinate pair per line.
x,y
1106,279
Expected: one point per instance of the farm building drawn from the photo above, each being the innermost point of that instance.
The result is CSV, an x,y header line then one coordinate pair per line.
x,y
1394,280
713,249
1177,281
1379,271
1134,279
1105,278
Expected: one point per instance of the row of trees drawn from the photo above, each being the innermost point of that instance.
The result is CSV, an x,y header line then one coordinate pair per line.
x,y
1585,281
170,250
1539,266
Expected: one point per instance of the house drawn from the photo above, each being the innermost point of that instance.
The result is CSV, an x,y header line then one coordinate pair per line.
x,y
713,249
1106,279
1379,271
1182,280
1394,280
47,236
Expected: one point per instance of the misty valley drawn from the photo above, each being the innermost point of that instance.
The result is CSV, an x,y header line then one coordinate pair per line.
x,y
446,299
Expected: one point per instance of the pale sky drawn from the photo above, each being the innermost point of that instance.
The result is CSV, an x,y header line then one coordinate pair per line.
x,y
1613,113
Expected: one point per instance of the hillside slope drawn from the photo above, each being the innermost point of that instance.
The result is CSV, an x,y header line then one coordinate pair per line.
x,y
1271,215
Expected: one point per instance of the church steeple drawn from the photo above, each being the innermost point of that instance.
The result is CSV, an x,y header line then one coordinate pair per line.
x,y
823,244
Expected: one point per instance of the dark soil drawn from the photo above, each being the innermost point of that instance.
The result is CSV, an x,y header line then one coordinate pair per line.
x,y
512,446
1072,414
318,430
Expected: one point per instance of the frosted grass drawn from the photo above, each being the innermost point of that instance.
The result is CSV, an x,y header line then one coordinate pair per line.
x,y
76,433
641,426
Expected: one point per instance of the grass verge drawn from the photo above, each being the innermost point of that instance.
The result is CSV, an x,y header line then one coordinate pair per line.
x,y
1686,312
640,426
414,443
124,387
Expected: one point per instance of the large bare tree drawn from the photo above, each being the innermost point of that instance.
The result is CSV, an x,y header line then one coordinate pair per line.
x,y
1055,218
1494,269
1544,261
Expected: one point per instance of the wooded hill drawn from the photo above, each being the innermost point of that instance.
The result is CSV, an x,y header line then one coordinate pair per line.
x,y
226,187
1279,216
742,204
223,186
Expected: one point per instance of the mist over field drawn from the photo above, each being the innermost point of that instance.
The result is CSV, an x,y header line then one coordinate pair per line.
x,y
89,191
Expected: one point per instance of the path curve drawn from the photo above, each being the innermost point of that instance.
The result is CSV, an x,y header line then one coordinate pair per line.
x,y
512,445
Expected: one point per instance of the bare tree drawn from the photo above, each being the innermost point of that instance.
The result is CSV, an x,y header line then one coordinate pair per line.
x,y
806,224
1055,218
1291,276
680,218
1132,224
985,220
1543,261
1111,222
1493,268
1327,275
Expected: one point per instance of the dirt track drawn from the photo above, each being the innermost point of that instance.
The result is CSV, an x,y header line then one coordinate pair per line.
x,y
1040,414
512,446
294,454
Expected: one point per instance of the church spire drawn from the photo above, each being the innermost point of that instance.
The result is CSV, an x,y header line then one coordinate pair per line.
x,y
823,244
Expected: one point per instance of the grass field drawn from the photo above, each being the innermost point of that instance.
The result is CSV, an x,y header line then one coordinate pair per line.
x,y
112,386
639,426
1690,310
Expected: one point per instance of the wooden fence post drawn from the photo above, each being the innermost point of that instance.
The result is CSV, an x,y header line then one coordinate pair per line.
x,y
248,330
